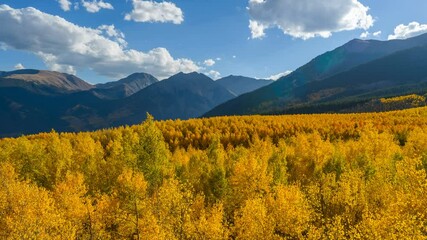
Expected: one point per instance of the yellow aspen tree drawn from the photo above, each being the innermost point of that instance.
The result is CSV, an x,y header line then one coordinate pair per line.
x,y
252,221
277,164
290,210
88,156
28,212
135,219
205,222
171,204
250,179
153,154
57,158
73,205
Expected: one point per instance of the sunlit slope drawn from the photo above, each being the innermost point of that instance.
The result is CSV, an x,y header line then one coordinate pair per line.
x,y
357,71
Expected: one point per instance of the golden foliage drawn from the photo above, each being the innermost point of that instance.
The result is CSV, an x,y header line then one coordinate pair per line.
x,y
327,176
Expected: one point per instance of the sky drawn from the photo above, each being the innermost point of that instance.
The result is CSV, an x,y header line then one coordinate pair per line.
x,y
105,40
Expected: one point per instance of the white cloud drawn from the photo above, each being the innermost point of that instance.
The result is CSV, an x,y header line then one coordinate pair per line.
x,y
96,5
257,29
406,31
218,59
256,1
377,34
65,4
234,56
214,74
19,66
307,18
65,46
209,62
114,33
365,34
279,75
150,11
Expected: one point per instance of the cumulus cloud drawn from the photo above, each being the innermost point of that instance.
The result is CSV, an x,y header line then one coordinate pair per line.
x,y
377,34
95,6
65,4
65,46
279,75
214,74
19,66
209,62
406,31
257,29
150,11
307,18
114,33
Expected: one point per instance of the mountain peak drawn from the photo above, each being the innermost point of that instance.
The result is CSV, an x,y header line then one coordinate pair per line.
x,y
126,86
356,45
183,95
137,77
137,74
192,76
188,74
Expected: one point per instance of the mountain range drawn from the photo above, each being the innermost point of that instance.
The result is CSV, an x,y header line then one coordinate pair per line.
x,y
34,101
351,75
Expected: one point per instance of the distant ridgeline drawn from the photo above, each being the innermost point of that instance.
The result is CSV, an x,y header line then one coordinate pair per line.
x,y
33,101
326,176
391,104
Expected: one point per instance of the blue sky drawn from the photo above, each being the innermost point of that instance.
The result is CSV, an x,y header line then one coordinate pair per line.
x,y
163,38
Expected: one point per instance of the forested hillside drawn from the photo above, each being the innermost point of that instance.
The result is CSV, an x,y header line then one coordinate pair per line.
x,y
329,176
359,70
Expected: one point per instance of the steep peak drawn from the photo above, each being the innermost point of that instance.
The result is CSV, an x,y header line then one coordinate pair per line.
x,y
356,45
134,78
126,86
140,74
138,77
192,76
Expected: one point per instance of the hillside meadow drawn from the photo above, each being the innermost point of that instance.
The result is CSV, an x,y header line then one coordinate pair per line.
x,y
326,176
